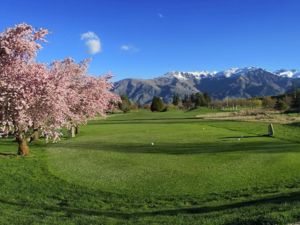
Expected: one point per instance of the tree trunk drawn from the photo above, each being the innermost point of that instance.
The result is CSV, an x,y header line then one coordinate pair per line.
x,y
23,146
6,131
72,131
76,130
35,135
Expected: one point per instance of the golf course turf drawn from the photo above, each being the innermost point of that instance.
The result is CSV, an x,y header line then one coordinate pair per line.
x,y
156,168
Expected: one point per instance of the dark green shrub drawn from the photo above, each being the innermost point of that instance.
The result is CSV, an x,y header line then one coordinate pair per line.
x,y
125,104
157,104
176,100
281,105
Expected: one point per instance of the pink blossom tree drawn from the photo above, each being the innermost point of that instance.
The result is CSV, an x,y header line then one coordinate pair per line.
x,y
85,96
20,79
34,96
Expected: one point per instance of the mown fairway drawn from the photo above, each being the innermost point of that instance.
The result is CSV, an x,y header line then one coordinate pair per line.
x,y
196,172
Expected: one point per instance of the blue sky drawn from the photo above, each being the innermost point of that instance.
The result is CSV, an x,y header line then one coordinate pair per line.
x,y
145,39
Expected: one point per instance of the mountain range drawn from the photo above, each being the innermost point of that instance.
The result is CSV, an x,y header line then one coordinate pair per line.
x,y
233,83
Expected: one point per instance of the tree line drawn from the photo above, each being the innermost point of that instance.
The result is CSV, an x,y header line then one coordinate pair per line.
x,y
289,102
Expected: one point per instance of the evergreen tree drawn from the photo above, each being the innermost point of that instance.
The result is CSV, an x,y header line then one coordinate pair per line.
x,y
207,98
199,100
296,101
176,99
157,104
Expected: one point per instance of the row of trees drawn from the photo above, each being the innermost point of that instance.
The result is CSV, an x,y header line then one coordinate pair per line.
x,y
37,97
289,102
194,100
282,103
188,102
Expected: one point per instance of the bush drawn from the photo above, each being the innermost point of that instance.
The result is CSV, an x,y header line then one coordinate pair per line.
x,y
171,107
146,106
134,106
157,105
268,102
125,104
281,105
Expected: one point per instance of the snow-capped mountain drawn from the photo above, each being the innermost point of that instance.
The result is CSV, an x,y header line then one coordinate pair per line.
x,y
233,72
288,73
235,83
190,75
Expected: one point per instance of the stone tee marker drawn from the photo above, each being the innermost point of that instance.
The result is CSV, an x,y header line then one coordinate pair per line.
x,y
271,130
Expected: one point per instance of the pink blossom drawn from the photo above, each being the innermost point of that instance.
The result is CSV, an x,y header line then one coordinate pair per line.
x,y
49,97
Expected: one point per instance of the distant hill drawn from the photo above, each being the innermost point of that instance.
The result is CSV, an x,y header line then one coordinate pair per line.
x,y
233,83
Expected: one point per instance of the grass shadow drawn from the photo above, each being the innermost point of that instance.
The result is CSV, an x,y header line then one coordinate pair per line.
x,y
185,148
246,136
6,154
149,121
274,199
295,124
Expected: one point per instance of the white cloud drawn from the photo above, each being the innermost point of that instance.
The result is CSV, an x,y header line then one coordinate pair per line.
x,y
92,41
129,48
125,47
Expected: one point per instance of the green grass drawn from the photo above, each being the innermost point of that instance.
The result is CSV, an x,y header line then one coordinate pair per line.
x,y
197,172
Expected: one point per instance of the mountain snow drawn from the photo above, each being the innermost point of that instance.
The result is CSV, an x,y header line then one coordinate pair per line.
x,y
288,73
227,73
233,72
198,75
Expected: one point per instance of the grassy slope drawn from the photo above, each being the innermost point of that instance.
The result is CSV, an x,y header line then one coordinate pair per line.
x,y
198,172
